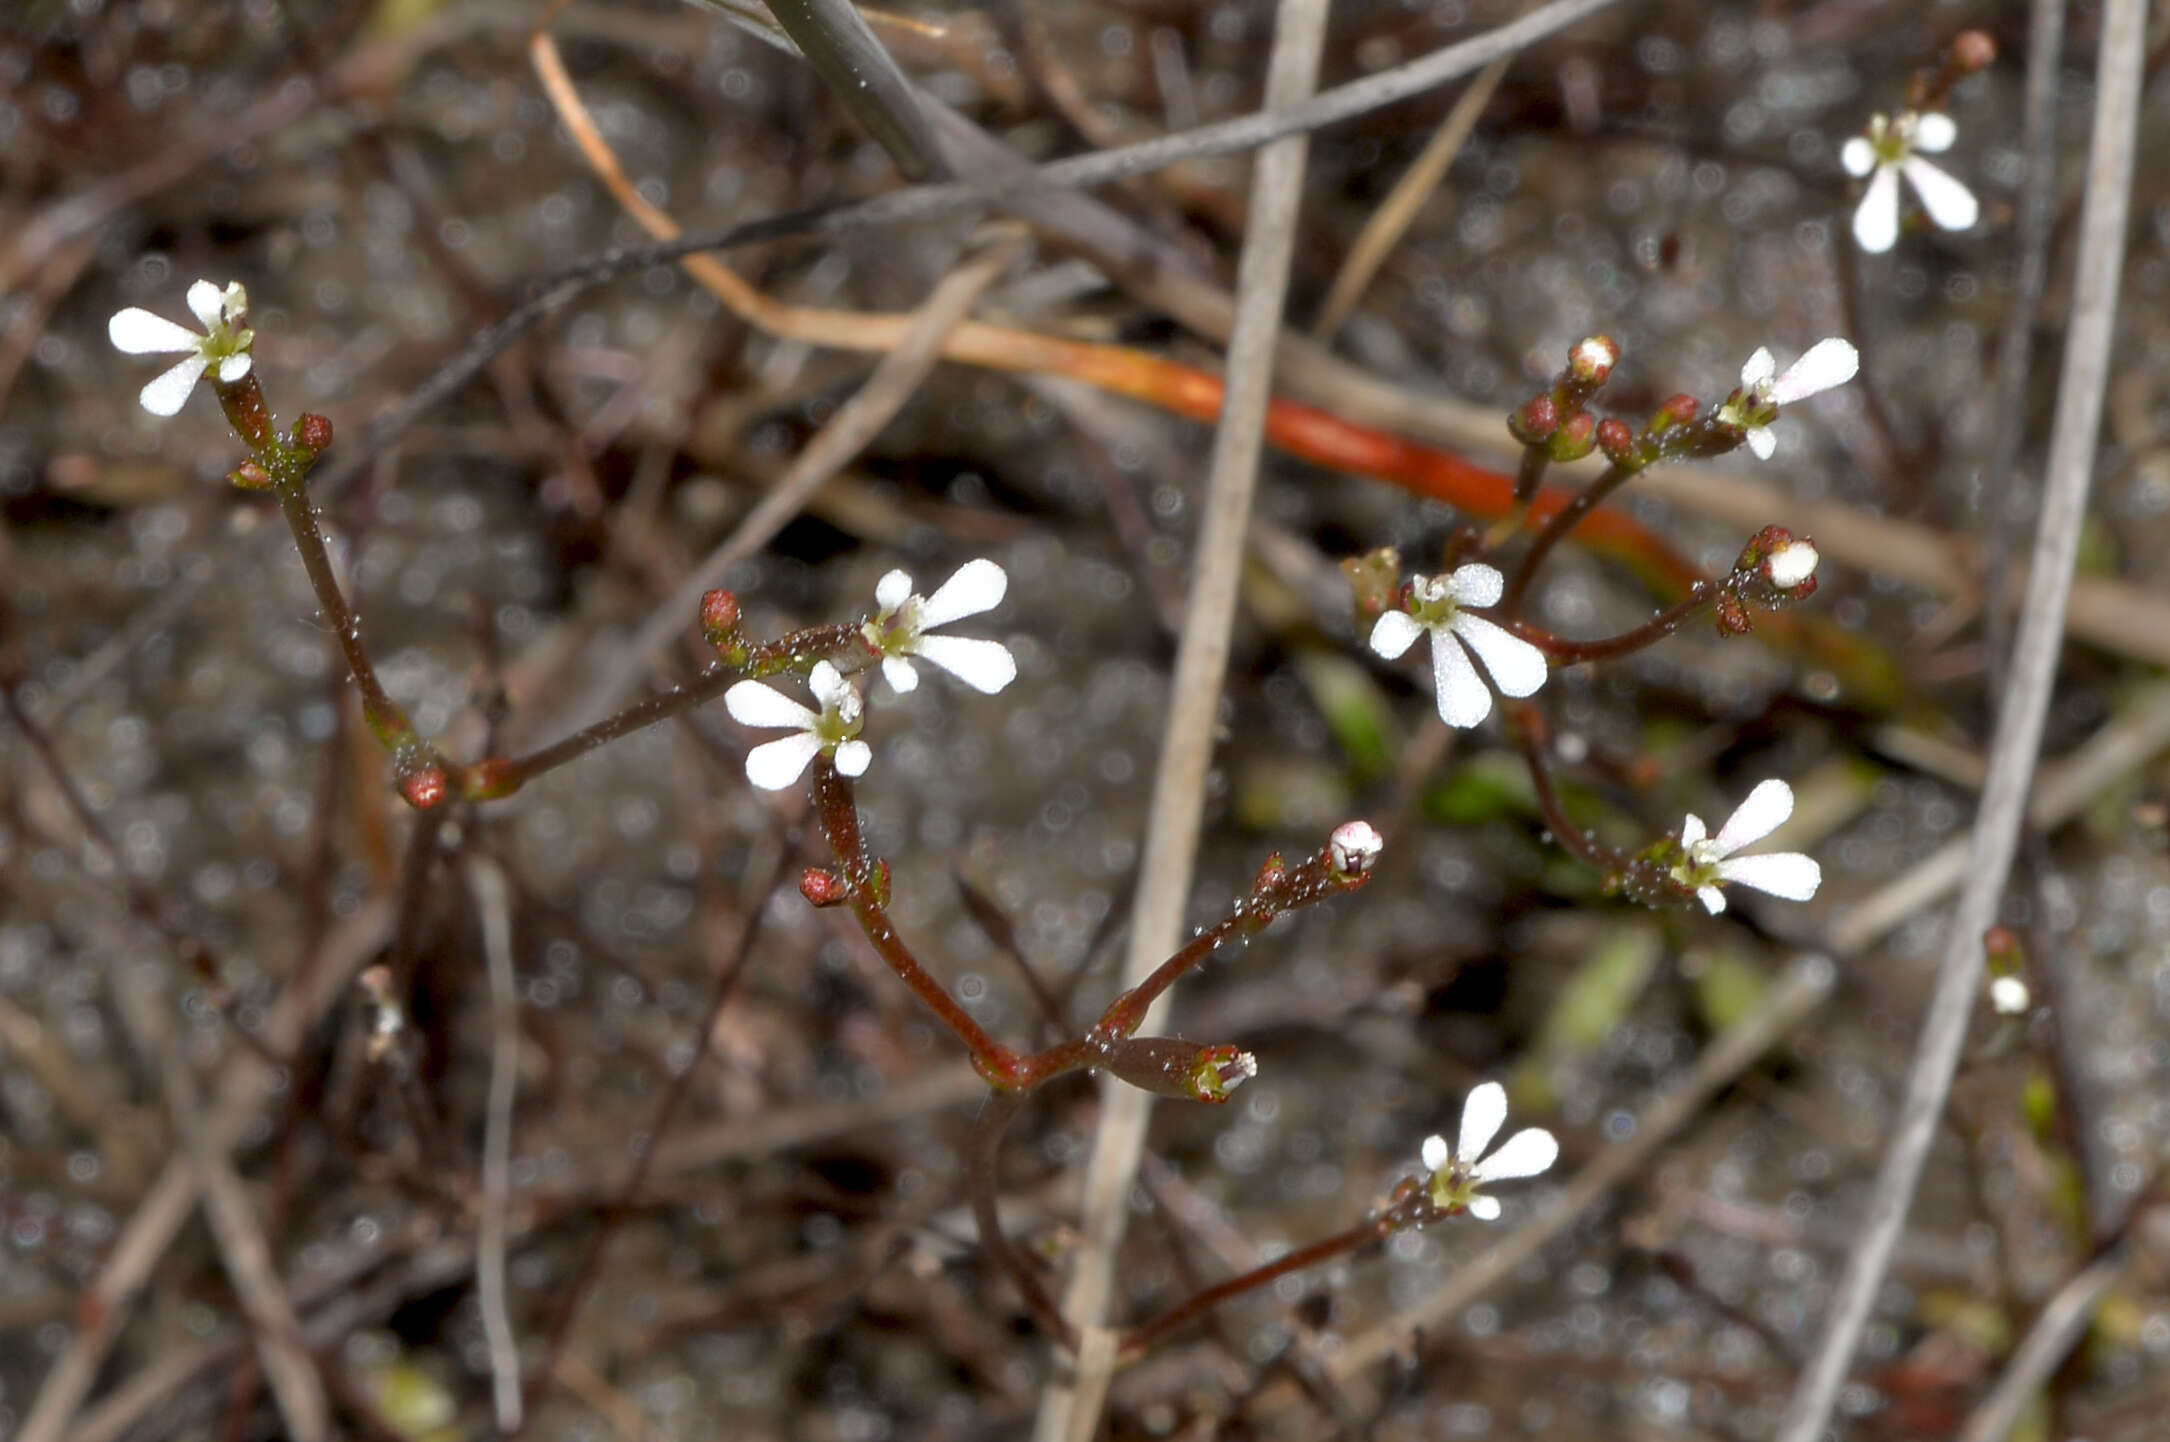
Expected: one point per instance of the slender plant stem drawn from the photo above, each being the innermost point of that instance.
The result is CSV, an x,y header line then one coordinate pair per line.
x,y
1562,521
866,882
1528,725
1649,633
983,1185
386,720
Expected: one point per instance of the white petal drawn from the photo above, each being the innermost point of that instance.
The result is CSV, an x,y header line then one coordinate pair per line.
x,y
985,666
138,332
1858,156
1435,1154
2008,994
892,590
829,686
1464,699
1951,205
1476,585
853,757
1876,218
756,703
1762,442
1517,667
1934,131
1760,368
1691,830
1765,810
1829,362
774,765
1394,633
1525,1154
1791,564
207,303
1482,1115
900,675
169,392
1484,1209
1788,875
1712,898
978,586
234,367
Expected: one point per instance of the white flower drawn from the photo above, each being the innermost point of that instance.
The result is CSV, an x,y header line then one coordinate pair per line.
x,y
2008,996
900,629
1707,862
1355,847
774,765
1829,362
224,343
1890,149
1436,605
1457,1174
1791,564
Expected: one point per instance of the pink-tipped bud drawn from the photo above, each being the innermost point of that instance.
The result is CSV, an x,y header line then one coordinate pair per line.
x,y
1676,412
1575,437
1616,440
720,613
250,476
425,787
1590,362
1972,50
1535,420
822,887
313,433
1354,849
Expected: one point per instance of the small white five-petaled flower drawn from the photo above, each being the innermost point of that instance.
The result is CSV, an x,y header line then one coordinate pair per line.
x,y
1707,863
899,631
774,765
1892,149
1458,1174
1436,604
1829,362
223,343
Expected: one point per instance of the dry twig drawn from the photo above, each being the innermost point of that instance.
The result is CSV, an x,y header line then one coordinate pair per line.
x,y
1071,1409
2019,726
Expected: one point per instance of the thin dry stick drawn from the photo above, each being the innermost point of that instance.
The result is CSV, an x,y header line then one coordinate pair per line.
x,y
295,1387
2015,348
2018,736
1376,241
166,1206
2048,1342
1070,1411
493,903
856,422
863,78
2120,747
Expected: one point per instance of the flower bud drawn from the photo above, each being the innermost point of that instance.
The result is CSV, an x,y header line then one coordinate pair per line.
x,y
313,433
822,887
1354,849
1373,577
425,786
1535,420
1732,616
1169,1066
1616,440
1573,440
720,615
1678,411
1590,363
250,476
1972,50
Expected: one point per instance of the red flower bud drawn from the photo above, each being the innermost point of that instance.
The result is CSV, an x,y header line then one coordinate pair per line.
x,y
1535,421
1616,440
1973,50
313,433
425,786
822,887
1572,441
720,614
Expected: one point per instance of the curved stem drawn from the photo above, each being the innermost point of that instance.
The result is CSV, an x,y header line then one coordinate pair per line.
x,y
1562,521
980,1185
1529,736
1607,648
